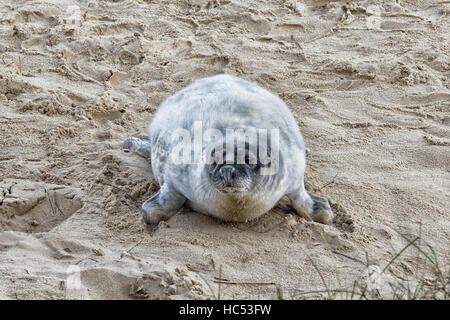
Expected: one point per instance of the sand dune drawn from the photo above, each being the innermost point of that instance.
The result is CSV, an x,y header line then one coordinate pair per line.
x,y
368,83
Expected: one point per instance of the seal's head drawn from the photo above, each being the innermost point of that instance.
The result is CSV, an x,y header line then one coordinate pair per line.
x,y
233,178
237,171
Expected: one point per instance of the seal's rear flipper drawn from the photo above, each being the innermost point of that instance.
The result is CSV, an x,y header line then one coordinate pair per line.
x,y
140,146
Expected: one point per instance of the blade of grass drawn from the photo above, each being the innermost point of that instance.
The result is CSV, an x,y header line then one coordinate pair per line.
x,y
399,253
321,276
434,262
418,248
328,291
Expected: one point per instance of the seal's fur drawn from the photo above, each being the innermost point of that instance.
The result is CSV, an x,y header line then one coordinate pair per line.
x,y
222,102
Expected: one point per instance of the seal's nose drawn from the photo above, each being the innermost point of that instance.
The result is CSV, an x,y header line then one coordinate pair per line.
x,y
227,173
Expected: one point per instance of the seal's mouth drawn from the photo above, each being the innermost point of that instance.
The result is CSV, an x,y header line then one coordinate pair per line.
x,y
233,190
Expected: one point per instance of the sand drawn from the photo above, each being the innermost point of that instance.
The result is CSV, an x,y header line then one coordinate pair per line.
x,y
367,81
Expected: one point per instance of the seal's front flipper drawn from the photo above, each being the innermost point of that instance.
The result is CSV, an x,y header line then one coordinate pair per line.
x,y
140,146
321,210
162,205
311,207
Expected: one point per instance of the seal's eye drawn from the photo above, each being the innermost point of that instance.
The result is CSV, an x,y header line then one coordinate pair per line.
x,y
248,160
214,165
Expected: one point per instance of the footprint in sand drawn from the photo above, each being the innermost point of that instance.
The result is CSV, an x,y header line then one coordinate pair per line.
x,y
35,207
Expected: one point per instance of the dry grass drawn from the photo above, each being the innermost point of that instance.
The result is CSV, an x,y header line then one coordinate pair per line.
x,y
431,281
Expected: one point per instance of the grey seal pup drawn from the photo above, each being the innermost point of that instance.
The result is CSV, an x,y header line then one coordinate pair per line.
x,y
226,172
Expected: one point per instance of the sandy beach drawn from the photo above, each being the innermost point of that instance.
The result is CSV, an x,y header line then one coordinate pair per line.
x,y
367,81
